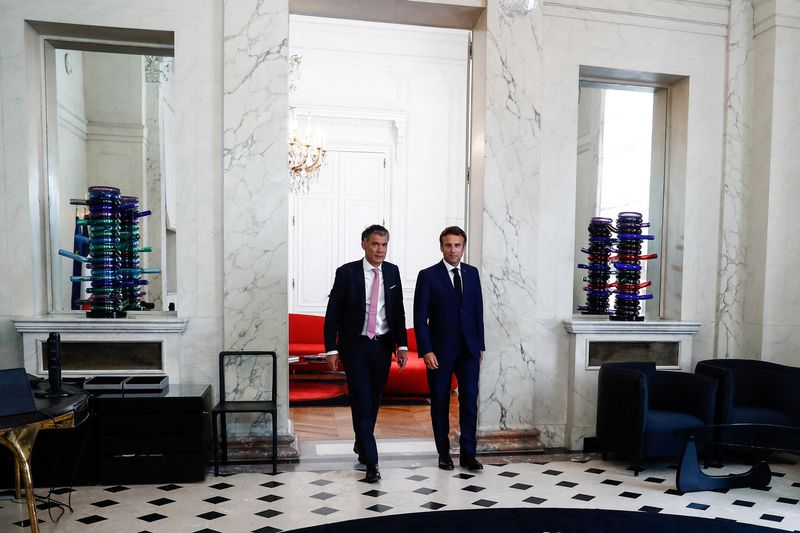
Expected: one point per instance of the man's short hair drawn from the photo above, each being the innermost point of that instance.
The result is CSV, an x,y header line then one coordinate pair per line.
x,y
452,230
375,228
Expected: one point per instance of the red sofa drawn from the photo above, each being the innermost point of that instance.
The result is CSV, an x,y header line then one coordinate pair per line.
x,y
306,338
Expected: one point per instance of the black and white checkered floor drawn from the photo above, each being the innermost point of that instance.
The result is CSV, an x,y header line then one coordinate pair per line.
x,y
293,499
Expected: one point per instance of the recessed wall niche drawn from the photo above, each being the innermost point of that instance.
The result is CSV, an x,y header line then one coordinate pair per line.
x,y
109,120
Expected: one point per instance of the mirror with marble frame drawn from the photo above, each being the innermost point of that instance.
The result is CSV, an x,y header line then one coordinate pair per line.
x,y
109,120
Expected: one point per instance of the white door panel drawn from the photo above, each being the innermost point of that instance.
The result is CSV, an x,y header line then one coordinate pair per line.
x,y
352,193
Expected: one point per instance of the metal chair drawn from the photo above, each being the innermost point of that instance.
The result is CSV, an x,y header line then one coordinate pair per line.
x,y
226,407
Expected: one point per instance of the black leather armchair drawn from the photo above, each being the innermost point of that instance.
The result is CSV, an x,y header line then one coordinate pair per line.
x,y
755,392
639,409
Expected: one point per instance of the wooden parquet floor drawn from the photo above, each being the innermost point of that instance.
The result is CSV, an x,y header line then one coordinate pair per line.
x,y
394,421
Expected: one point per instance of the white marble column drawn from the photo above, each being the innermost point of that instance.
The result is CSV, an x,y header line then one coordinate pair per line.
x,y
255,192
512,157
773,255
735,220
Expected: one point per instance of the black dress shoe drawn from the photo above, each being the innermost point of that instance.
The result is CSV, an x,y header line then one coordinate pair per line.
x,y
470,463
373,474
445,463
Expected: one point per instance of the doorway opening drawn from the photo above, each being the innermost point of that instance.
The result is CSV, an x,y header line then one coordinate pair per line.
x,y
390,103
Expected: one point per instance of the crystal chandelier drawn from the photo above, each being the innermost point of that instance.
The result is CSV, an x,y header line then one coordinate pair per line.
x,y
307,150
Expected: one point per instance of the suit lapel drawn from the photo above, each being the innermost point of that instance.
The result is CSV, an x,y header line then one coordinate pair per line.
x,y
444,270
358,274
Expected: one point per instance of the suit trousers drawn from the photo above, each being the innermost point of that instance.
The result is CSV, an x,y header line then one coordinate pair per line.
x,y
466,367
367,369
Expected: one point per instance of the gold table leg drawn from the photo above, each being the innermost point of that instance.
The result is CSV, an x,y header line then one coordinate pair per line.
x,y
20,441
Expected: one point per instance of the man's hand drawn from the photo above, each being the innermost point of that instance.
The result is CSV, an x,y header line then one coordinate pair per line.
x,y
430,361
402,358
333,361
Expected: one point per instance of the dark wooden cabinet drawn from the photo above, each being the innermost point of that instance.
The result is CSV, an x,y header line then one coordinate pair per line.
x,y
153,437
143,437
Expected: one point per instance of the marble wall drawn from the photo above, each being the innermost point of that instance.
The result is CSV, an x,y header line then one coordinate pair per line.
x,y
511,188
732,191
255,224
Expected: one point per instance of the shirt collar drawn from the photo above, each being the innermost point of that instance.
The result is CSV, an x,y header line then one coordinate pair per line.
x,y
450,267
368,268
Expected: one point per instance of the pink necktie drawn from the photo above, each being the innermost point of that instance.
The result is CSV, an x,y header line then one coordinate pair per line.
x,y
373,305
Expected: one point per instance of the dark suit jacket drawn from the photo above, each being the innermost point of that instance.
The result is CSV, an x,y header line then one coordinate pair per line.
x,y
347,304
437,317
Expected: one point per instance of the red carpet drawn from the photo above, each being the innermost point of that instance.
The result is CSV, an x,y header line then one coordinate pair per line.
x,y
315,391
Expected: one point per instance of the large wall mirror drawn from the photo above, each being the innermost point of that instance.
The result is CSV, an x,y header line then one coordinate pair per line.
x,y
110,122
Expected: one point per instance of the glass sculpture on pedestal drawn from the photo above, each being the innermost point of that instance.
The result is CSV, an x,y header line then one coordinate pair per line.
x,y
629,268
627,246
113,257
597,288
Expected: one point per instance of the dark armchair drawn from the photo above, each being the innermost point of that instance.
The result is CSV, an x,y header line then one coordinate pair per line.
x,y
639,409
755,392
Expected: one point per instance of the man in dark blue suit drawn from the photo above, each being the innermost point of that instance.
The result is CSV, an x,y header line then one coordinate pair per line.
x,y
364,323
448,322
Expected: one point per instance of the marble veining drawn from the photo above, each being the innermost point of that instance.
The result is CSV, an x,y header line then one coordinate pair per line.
x,y
733,256
513,123
255,221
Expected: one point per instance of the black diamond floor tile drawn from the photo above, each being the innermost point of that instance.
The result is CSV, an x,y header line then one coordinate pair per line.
x,y
612,482
220,486
764,489
650,509
553,472
116,488
568,484
374,493
267,529
790,501
583,497
425,491
161,501
654,480
673,492
484,503
268,513
432,505
171,487
323,495
698,506
92,519
464,476
104,503
207,530
521,486
321,482
417,477
534,500
744,503
217,499
152,517
211,515
508,474
271,484
45,506
594,470
270,498
325,511
473,488
27,523
772,517
66,490
631,495
379,508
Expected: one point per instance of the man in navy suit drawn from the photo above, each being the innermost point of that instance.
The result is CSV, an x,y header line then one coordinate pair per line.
x,y
448,322
364,323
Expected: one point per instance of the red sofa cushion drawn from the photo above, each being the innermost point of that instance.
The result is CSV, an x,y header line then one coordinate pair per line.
x,y
305,334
